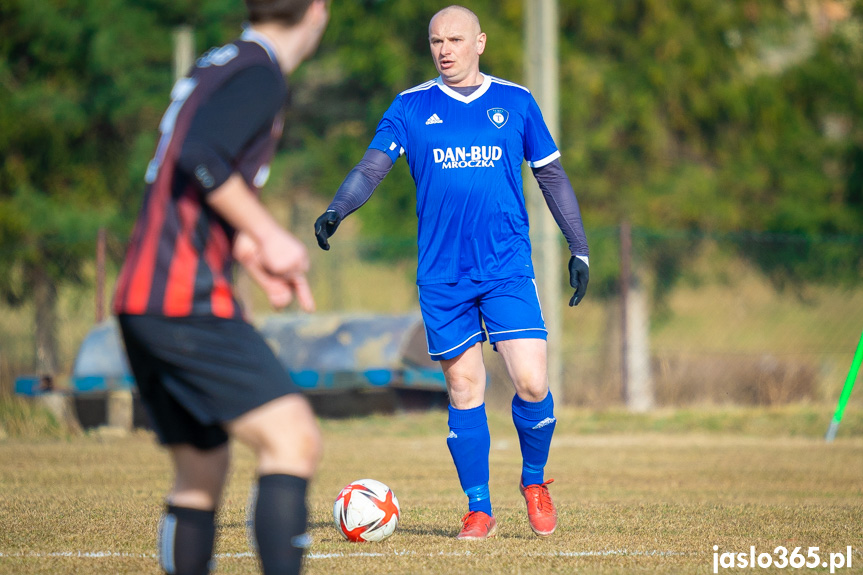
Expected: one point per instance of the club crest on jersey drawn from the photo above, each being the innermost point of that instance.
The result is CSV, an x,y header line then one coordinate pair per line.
x,y
498,116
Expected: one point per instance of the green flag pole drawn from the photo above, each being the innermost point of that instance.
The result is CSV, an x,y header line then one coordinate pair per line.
x,y
846,391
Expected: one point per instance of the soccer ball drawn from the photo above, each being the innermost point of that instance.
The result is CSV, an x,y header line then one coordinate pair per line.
x,y
366,510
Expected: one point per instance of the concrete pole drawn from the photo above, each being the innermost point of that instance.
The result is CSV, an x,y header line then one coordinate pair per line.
x,y
640,396
625,283
541,76
636,380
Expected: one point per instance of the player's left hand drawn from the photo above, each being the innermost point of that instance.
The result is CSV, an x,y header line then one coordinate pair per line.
x,y
279,289
578,277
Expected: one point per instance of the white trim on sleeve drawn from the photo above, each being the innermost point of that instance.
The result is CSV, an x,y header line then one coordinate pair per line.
x,y
545,161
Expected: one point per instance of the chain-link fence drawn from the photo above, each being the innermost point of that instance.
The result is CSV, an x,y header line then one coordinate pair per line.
x,y
731,318
716,318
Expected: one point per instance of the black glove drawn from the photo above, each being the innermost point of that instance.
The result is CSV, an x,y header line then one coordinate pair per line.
x,y
326,226
578,277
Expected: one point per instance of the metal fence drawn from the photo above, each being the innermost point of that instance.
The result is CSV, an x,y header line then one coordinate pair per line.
x,y
729,318
718,318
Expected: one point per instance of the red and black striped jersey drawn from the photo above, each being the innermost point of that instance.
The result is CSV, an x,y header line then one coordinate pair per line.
x,y
179,261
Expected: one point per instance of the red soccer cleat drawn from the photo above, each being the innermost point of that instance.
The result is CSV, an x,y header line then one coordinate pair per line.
x,y
477,525
540,509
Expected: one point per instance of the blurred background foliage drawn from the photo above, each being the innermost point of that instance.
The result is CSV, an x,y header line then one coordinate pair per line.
x,y
739,123
684,114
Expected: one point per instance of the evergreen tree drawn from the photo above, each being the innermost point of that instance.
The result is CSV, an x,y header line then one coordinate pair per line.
x,y
82,86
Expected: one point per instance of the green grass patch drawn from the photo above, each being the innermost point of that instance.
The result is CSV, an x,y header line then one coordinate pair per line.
x,y
27,419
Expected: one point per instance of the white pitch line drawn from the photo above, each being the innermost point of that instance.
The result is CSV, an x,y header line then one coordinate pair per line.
x,y
246,555
82,554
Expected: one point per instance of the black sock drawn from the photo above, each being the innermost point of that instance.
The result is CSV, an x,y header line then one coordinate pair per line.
x,y
280,518
186,539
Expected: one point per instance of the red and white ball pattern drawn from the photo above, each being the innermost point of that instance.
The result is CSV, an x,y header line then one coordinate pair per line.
x,y
366,510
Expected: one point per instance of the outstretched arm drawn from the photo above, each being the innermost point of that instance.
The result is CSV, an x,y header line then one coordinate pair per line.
x,y
355,191
561,200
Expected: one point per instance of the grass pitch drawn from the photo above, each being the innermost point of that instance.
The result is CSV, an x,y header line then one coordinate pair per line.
x,y
629,501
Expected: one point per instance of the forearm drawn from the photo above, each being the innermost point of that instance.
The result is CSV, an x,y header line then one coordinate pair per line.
x,y
361,182
560,198
276,253
241,208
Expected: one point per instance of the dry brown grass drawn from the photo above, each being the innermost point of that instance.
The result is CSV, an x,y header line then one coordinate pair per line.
x,y
733,380
628,502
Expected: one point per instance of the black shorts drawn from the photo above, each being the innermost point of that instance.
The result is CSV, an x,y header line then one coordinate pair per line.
x,y
196,373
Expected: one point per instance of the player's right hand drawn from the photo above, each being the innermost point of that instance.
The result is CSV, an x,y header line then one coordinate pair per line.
x,y
282,287
325,227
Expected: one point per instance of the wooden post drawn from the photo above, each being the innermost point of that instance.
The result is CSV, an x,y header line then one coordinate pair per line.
x,y
61,405
119,409
100,276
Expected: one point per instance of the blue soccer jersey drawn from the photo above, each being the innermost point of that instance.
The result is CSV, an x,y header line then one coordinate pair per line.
x,y
465,154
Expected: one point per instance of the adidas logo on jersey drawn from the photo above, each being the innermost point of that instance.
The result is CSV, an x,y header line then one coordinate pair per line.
x,y
452,435
434,120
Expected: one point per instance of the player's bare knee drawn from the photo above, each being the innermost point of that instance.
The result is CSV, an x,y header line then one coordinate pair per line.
x,y
531,388
284,436
304,447
458,383
465,391
295,454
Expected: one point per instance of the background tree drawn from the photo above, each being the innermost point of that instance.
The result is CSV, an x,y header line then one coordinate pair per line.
x,y
695,116
82,85
688,115
373,50
712,118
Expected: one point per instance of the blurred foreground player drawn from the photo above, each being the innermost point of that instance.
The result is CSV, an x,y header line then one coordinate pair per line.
x,y
203,372
465,136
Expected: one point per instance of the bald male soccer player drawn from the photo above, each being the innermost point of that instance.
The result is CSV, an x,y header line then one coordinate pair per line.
x,y
465,135
203,372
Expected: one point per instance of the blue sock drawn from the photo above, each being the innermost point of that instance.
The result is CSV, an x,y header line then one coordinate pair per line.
x,y
469,443
534,422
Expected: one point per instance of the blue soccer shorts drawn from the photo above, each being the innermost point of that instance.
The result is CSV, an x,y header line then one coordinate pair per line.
x,y
454,314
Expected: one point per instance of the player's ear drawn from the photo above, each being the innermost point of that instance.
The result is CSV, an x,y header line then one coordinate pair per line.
x,y
480,43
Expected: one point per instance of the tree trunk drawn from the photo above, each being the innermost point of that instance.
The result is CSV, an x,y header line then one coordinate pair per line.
x,y
45,307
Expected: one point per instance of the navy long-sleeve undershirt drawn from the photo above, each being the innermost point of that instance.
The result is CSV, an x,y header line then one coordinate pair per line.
x,y
556,188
